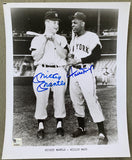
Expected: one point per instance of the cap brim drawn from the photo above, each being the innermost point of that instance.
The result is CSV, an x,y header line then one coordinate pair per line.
x,y
53,19
75,17
71,17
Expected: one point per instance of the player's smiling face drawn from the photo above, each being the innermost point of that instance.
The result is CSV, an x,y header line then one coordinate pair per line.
x,y
77,25
53,26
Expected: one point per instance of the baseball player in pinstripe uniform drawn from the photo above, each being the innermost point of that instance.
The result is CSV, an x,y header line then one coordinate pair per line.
x,y
85,49
49,51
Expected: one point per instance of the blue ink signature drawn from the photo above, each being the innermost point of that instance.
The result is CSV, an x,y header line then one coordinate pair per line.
x,y
43,85
79,71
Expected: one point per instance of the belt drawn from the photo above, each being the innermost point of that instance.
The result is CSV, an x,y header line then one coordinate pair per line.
x,y
79,66
52,66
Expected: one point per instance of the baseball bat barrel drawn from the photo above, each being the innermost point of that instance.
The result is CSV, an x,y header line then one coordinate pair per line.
x,y
32,33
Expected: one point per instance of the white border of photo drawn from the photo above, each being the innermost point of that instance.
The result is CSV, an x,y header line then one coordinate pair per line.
x,y
120,149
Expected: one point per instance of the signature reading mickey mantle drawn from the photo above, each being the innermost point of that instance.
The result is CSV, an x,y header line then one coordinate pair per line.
x,y
43,85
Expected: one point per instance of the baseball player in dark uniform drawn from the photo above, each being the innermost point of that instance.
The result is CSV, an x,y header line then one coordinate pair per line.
x,y
49,51
85,48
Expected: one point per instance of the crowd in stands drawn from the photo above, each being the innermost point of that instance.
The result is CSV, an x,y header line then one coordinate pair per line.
x,y
105,68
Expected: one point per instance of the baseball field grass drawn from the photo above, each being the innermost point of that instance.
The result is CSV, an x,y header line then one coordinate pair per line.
x,y
25,126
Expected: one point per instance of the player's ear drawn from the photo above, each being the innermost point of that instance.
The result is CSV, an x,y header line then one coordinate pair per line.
x,y
83,24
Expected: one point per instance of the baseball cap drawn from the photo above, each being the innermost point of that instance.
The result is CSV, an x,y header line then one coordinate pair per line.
x,y
80,16
52,15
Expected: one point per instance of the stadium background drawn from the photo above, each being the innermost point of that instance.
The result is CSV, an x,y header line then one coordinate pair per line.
x,y
104,23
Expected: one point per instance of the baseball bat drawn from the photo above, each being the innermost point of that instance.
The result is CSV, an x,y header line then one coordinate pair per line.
x,y
73,35
32,33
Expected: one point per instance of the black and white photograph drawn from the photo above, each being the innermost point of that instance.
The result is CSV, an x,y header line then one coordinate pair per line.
x,y
65,80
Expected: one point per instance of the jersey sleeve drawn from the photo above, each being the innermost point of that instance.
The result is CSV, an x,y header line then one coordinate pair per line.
x,y
36,47
63,42
95,55
94,41
34,44
95,49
